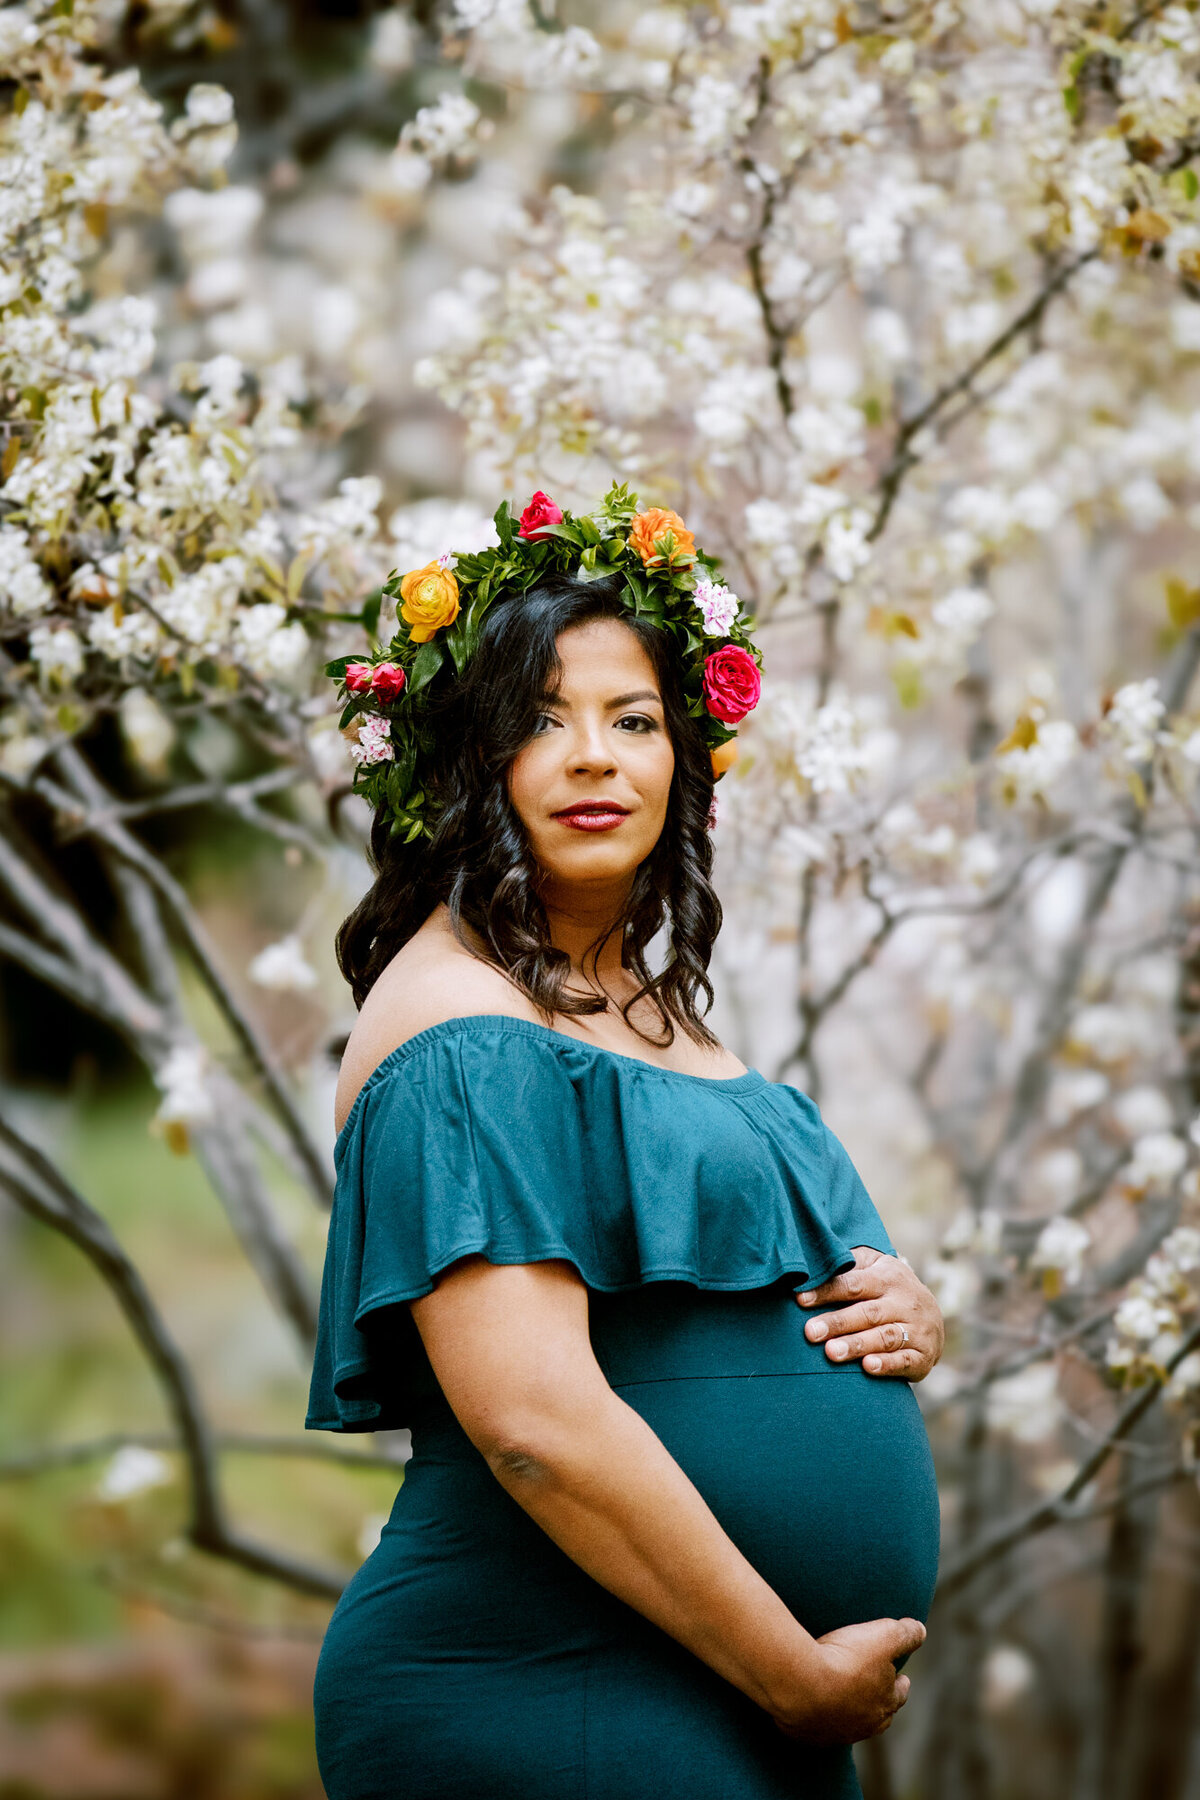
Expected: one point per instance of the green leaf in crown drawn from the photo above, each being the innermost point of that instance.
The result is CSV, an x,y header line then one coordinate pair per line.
x,y
668,581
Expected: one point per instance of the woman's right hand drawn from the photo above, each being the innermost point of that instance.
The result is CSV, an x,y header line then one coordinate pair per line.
x,y
852,1690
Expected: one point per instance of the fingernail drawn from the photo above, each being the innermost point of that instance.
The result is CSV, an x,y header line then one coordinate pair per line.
x,y
871,1363
817,1332
805,1299
837,1351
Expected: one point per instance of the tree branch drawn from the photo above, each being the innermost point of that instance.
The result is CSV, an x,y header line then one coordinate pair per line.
x,y
1005,1536
116,838
903,457
42,1191
242,1443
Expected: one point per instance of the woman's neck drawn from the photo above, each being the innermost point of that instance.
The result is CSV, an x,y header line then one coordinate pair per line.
x,y
576,924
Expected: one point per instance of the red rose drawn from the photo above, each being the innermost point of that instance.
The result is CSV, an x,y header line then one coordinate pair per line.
x,y
388,681
731,683
540,512
358,677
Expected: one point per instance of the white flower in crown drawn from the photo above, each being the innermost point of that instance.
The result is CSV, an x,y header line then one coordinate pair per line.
x,y
717,606
374,743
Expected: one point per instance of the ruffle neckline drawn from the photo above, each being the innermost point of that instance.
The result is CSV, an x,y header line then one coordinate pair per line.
x,y
412,1046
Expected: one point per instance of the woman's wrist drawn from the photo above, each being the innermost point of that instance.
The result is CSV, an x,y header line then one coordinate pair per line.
x,y
792,1686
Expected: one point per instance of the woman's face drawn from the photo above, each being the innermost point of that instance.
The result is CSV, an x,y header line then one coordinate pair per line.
x,y
591,784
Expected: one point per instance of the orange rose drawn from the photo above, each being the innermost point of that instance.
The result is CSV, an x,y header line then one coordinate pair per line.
x,y
650,528
430,600
724,757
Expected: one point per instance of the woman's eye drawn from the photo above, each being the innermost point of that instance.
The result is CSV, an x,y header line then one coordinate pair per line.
x,y
640,721
545,718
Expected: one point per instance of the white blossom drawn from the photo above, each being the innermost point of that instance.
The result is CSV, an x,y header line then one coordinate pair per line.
x,y
57,653
283,967
146,729
1140,1318
1031,771
428,529
444,129
186,1095
1073,1091
716,110
1133,719
267,644
1143,1109
1108,1032
1060,1249
1008,1674
1026,1406
954,1282
23,587
1158,1157
132,1470
847,550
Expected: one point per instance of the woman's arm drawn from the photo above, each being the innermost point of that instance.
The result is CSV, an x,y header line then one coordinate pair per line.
x,y
511,1350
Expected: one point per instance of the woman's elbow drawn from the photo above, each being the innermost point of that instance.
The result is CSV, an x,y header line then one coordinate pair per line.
x,y
527,1446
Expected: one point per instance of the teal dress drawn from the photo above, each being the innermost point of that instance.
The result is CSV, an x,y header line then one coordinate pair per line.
x,y
469,1658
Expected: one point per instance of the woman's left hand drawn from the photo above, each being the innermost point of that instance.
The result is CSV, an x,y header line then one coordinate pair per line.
x,y
893,1322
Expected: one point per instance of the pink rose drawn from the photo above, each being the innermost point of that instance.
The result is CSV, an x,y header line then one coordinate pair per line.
x,y
540,512
388,681
358,678
731,683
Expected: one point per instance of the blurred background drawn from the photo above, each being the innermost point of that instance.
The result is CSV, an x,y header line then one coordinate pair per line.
x,y
898,302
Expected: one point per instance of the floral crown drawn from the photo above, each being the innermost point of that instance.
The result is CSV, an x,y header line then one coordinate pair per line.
x,y
441,609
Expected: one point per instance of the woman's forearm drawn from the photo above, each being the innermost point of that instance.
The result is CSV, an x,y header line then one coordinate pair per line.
x,y
610,1494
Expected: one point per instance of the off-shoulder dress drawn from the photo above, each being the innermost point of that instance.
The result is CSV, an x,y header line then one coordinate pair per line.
x,y
469,1658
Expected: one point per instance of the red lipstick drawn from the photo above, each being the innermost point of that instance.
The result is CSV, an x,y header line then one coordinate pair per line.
x,y
593,815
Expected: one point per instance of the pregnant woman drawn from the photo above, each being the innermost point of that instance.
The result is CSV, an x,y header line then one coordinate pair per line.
x,y
664,1533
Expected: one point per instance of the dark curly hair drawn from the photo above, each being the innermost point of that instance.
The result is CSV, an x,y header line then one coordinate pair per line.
x,y
479,860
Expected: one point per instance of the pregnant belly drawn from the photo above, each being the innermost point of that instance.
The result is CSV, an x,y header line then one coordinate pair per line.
x,y
824,1480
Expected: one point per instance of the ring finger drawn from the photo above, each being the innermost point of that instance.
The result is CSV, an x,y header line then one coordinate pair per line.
x,y
866,1343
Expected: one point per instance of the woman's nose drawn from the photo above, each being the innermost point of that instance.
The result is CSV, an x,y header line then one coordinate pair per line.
x,y
591,748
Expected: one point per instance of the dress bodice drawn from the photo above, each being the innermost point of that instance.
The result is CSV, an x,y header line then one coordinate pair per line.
x,y
501,1137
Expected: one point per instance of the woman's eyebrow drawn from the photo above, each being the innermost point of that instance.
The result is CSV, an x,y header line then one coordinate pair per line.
x,y
628,699
609,705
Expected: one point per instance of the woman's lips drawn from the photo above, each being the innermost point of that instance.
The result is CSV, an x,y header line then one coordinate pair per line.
x,y
594,819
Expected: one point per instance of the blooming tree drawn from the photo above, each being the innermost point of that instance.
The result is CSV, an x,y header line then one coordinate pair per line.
x,y
897,303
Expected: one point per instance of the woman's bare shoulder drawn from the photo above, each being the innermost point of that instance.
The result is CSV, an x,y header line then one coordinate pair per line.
x,y
432,979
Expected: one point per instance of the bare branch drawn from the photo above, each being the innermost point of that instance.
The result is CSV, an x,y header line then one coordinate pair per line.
x,y
242,1443
1057,1510
116,838
101,982
54,970
903,456
42,1191
1031,1077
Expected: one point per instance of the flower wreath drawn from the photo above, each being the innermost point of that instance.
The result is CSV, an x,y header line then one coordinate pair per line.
x,y
441,608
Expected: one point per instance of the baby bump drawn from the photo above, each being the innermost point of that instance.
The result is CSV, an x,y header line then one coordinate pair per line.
x,y
821,1475
823,1480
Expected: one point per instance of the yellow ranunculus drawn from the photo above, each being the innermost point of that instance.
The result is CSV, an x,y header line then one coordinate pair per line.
x,y
430,600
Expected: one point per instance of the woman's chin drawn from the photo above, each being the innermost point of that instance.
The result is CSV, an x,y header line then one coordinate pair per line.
x,y
595,858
